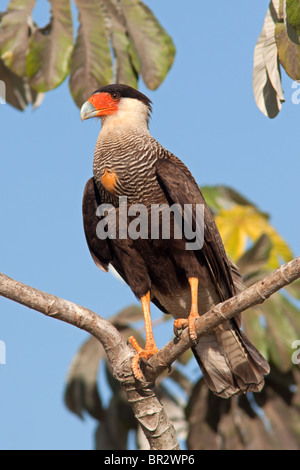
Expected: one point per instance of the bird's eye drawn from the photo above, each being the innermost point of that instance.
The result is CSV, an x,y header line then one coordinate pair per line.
x,y
115,96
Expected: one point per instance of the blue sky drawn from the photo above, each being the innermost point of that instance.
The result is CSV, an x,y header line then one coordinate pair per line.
x,y
205,113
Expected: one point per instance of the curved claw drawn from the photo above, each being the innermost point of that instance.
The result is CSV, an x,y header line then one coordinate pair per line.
x,y
142,356
179,325
182,323
192,329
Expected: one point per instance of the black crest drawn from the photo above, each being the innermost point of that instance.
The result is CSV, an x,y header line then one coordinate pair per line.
x,y
125,91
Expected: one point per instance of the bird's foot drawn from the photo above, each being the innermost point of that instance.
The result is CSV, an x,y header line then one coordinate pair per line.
x,y
182,323
179,325
192,328
142,356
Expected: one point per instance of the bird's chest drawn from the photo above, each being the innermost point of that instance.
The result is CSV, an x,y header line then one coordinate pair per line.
x,y
130,176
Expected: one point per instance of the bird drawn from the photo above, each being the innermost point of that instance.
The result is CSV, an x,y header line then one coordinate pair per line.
x,y
182,280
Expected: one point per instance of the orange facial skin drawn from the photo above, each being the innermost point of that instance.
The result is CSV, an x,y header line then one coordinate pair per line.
x,y
104,104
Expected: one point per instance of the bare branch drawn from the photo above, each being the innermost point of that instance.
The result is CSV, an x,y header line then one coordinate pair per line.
x,y
68,312
147,408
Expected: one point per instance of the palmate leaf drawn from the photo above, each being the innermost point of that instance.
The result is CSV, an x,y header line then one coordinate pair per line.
x,y
116,41
15,31
47,61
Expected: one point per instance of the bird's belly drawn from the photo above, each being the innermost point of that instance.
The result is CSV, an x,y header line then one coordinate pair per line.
x,y
179,303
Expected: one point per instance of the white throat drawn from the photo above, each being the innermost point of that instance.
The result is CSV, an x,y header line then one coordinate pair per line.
x,y
132,115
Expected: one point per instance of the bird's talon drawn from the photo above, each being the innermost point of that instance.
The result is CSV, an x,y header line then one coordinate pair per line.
x,y
142,356
192,329
179,325
177,332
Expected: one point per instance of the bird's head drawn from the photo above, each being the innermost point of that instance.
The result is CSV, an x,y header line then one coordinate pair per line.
x,y
117,104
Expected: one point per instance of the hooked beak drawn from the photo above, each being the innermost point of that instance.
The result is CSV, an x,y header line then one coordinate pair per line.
x,y
88,111
99,104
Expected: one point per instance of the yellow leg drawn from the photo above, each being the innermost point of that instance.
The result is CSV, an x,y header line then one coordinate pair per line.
x,y
150,346
181,323
193,281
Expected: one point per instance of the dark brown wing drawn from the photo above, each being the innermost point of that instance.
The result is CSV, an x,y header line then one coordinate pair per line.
x,y
100,249
180,188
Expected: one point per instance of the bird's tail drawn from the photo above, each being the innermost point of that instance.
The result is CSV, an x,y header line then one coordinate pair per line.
x,y
229,362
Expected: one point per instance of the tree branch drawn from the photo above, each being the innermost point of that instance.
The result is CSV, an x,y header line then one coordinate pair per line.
x,y
147,408
253,295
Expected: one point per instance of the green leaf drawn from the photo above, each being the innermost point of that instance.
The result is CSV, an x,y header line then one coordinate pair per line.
x,y
280,332
154,47
128,315
126,68
174,408
50,49
266,420
288,44
254,329
223,197
81,392
292,313
90,66
18,92
241,223
293,14
256,258
16,24
112,432
294,289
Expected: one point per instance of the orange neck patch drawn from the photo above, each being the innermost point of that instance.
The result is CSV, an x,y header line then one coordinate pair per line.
x,y
109,181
